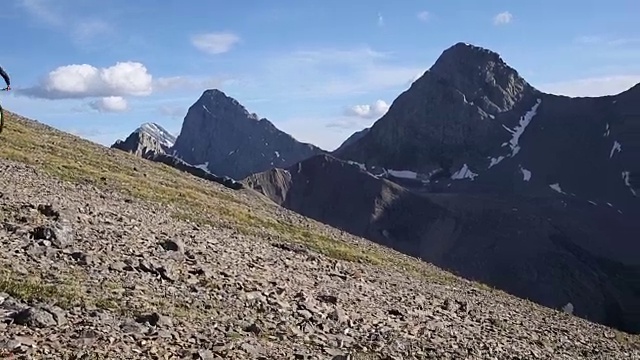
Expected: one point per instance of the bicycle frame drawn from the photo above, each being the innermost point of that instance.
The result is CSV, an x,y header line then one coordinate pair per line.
x,y
2,114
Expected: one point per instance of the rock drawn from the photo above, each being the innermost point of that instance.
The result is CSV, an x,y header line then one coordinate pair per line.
x,y
328,299
253,328
255,296
164,271
42,233
155,319
296,248
173,245
568,308
35,317
167,272
3,297
339,315
48,211
204,354
60,235
132,327
63,234
335,353
58,314
82,258
117,266
253,350
341,357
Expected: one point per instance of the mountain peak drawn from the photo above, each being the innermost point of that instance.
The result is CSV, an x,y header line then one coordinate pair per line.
x,y
222,133
460,103
156,131
216,95
481,75
218,99
148,139
463,57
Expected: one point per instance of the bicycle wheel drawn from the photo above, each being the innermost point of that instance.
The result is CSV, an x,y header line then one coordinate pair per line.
x,y
1,118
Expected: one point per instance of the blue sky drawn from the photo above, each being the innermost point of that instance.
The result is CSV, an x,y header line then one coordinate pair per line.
x,y
319,70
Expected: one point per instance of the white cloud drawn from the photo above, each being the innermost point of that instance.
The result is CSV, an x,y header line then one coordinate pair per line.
x,y
190,83
587,39
373,111
326,132
41,10
110,104
601,40
380,20
88,30
59,16
503,18
597,86
331,72
174,112
215,43
424,16
84,80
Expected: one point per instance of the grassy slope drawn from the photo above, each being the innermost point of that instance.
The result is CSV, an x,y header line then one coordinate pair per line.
x,y
73,159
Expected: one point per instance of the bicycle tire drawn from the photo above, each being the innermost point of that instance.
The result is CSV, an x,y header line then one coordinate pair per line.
x,y
1,118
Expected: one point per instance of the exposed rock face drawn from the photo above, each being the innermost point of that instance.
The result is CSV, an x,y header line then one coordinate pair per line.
x,y
152,142
144,262
148,139
547,249
221,135
352,139
196,171
471,116
534,193
454,112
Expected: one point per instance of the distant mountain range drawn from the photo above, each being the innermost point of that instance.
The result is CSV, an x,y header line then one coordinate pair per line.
x,y
148,139
471,168
219,135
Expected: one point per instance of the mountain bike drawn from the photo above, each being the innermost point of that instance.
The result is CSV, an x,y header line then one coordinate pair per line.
x,y
2,112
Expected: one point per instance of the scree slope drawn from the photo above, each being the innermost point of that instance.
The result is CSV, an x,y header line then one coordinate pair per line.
x,y
106,255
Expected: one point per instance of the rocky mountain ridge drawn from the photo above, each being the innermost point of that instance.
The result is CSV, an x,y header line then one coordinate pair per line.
x,y
479,236
123,258
457,106
529,141
220,137
530,192
147,140
351,139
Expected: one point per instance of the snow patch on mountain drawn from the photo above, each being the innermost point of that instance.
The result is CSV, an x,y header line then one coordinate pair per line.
x,y
159,133
403,174
625,178
556,187
204,166
496,161
361,166
526,174
464,173
517,132
616,147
